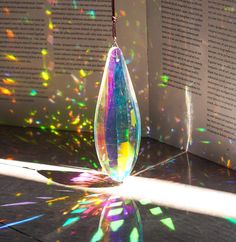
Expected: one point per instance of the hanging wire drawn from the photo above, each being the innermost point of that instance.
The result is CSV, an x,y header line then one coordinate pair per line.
x,y
114,21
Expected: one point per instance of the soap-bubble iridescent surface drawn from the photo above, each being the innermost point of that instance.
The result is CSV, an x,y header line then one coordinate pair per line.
x,y
117,126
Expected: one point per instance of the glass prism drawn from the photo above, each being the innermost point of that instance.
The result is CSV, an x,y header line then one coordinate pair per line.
x,y
117,124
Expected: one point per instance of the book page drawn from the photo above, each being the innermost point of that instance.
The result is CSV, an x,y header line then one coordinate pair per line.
x,y
192,73
52,55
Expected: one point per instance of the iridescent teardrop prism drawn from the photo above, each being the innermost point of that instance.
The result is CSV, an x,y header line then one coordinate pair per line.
x,y
117,124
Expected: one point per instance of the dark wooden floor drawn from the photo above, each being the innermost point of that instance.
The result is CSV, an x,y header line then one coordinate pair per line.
x,y
33,211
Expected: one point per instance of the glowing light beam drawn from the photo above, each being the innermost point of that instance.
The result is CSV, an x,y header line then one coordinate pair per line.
x,y
21,221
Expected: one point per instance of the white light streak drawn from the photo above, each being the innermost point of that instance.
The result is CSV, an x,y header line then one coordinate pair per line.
x,y
160,192
188,100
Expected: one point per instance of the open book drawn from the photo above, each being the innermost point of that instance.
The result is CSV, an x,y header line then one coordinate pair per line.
x,y
180,54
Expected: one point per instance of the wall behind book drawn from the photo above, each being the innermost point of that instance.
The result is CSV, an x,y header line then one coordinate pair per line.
x,y
52,55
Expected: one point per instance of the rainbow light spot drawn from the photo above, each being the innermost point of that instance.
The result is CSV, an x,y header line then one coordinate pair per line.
x,y
45,75
156,211
97,236
48,12
5,91
44,52
70,221
134,235
202,130
114,212
10,34
11,57
168,223
8,81
50,25
33,93
115,225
